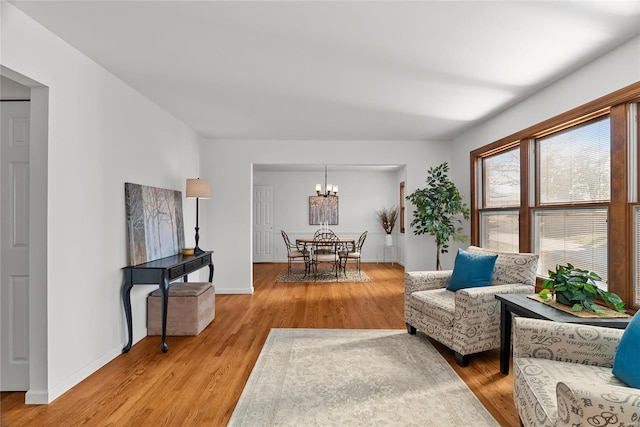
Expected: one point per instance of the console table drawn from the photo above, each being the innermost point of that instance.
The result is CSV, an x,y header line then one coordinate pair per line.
x,y
521,305
160,272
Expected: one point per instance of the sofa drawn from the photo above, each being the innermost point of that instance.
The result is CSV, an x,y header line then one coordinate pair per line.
x,y
563,376
467,320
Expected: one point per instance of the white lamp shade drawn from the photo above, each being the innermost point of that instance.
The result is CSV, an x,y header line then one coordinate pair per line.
x,y
198,188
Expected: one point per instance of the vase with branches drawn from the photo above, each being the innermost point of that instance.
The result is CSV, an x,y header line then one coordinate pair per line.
x,y
388,218
438,208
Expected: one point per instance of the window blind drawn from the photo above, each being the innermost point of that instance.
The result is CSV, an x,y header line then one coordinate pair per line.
x,y
499,231
576,236
502,179
574,165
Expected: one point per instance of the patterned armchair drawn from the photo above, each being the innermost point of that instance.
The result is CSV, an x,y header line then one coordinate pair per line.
x,y
562,376
468,320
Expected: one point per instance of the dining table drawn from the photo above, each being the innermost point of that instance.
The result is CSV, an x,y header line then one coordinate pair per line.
x,y
342,241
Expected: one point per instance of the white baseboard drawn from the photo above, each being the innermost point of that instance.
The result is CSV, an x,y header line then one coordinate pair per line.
x,y
220,290
44,397
36,397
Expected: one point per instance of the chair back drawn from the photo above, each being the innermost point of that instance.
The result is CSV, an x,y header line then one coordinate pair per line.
x,y
323,231
287,242
360,242
325,241
352,247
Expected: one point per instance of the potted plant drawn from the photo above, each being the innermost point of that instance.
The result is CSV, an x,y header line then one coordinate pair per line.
x,y
577,288
437,208
387,218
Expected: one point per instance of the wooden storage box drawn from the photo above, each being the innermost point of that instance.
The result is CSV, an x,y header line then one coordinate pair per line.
x,y
190,309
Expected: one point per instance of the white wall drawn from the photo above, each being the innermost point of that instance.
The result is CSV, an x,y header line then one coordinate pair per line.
x,y
615,70
101,134
10,90
362,193
228,165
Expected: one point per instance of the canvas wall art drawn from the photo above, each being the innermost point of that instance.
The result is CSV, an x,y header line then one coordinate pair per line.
x,y
323,210
155,227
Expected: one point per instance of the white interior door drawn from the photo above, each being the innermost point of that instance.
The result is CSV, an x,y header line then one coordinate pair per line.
x,y
14,249
262,223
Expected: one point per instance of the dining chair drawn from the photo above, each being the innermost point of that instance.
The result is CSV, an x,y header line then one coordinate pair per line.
x,y
325,250
354,252
294,252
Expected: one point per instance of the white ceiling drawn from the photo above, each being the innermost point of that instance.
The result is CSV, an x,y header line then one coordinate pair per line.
x,y
338,70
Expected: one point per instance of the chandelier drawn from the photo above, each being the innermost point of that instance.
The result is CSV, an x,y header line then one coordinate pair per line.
x,y
329,189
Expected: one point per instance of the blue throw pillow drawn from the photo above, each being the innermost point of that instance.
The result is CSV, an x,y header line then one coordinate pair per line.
x,y
627,359
471,270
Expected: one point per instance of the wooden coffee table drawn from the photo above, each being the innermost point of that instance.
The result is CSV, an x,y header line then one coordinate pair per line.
x,y
521,305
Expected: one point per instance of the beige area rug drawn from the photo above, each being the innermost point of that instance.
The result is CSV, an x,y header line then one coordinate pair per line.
x,y
323,276
355,377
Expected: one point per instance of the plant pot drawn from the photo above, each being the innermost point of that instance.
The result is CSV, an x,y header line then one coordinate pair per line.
x,y
388,240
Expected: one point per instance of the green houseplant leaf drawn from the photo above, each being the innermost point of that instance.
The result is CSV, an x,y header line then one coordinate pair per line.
x,y
577,288
438,208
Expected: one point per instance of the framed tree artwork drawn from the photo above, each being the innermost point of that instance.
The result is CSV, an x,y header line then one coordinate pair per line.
x,y
155,227
323,210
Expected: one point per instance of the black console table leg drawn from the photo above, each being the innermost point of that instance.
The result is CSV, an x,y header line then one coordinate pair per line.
x,y
126,301
211,272
164,289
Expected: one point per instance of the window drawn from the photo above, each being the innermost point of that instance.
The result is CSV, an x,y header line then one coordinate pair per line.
x,y
502,179
500,231
574,171
636,254
500,201
576,236
568,189
574,165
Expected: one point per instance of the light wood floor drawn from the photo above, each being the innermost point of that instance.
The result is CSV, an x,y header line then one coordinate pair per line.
x,y
199,380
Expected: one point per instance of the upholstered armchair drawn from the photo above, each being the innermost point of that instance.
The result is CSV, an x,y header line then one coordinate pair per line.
x,y
467,320
563,376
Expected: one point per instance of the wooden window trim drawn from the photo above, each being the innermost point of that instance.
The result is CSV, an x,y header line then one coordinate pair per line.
x,y
627,94
402,206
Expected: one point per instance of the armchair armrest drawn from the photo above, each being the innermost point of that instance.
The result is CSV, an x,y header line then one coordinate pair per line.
x,y
597,404
425,280
488,293
565,342
477,308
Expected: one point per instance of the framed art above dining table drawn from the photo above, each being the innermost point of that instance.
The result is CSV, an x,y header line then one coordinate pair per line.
x,y
323,210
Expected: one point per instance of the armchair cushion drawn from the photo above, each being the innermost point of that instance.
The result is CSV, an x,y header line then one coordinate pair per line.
x,y
438,304
471,270
626,361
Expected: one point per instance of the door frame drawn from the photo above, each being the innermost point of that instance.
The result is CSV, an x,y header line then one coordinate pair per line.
x,y
38,392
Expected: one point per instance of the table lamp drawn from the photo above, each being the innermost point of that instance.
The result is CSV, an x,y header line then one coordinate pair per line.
x,y
197,189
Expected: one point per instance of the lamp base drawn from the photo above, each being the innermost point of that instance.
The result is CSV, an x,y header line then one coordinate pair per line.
x,y
197,251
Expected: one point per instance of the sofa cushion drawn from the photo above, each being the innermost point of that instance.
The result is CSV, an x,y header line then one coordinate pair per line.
x,y
438,304
511,267
471,270
627,359
535,382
